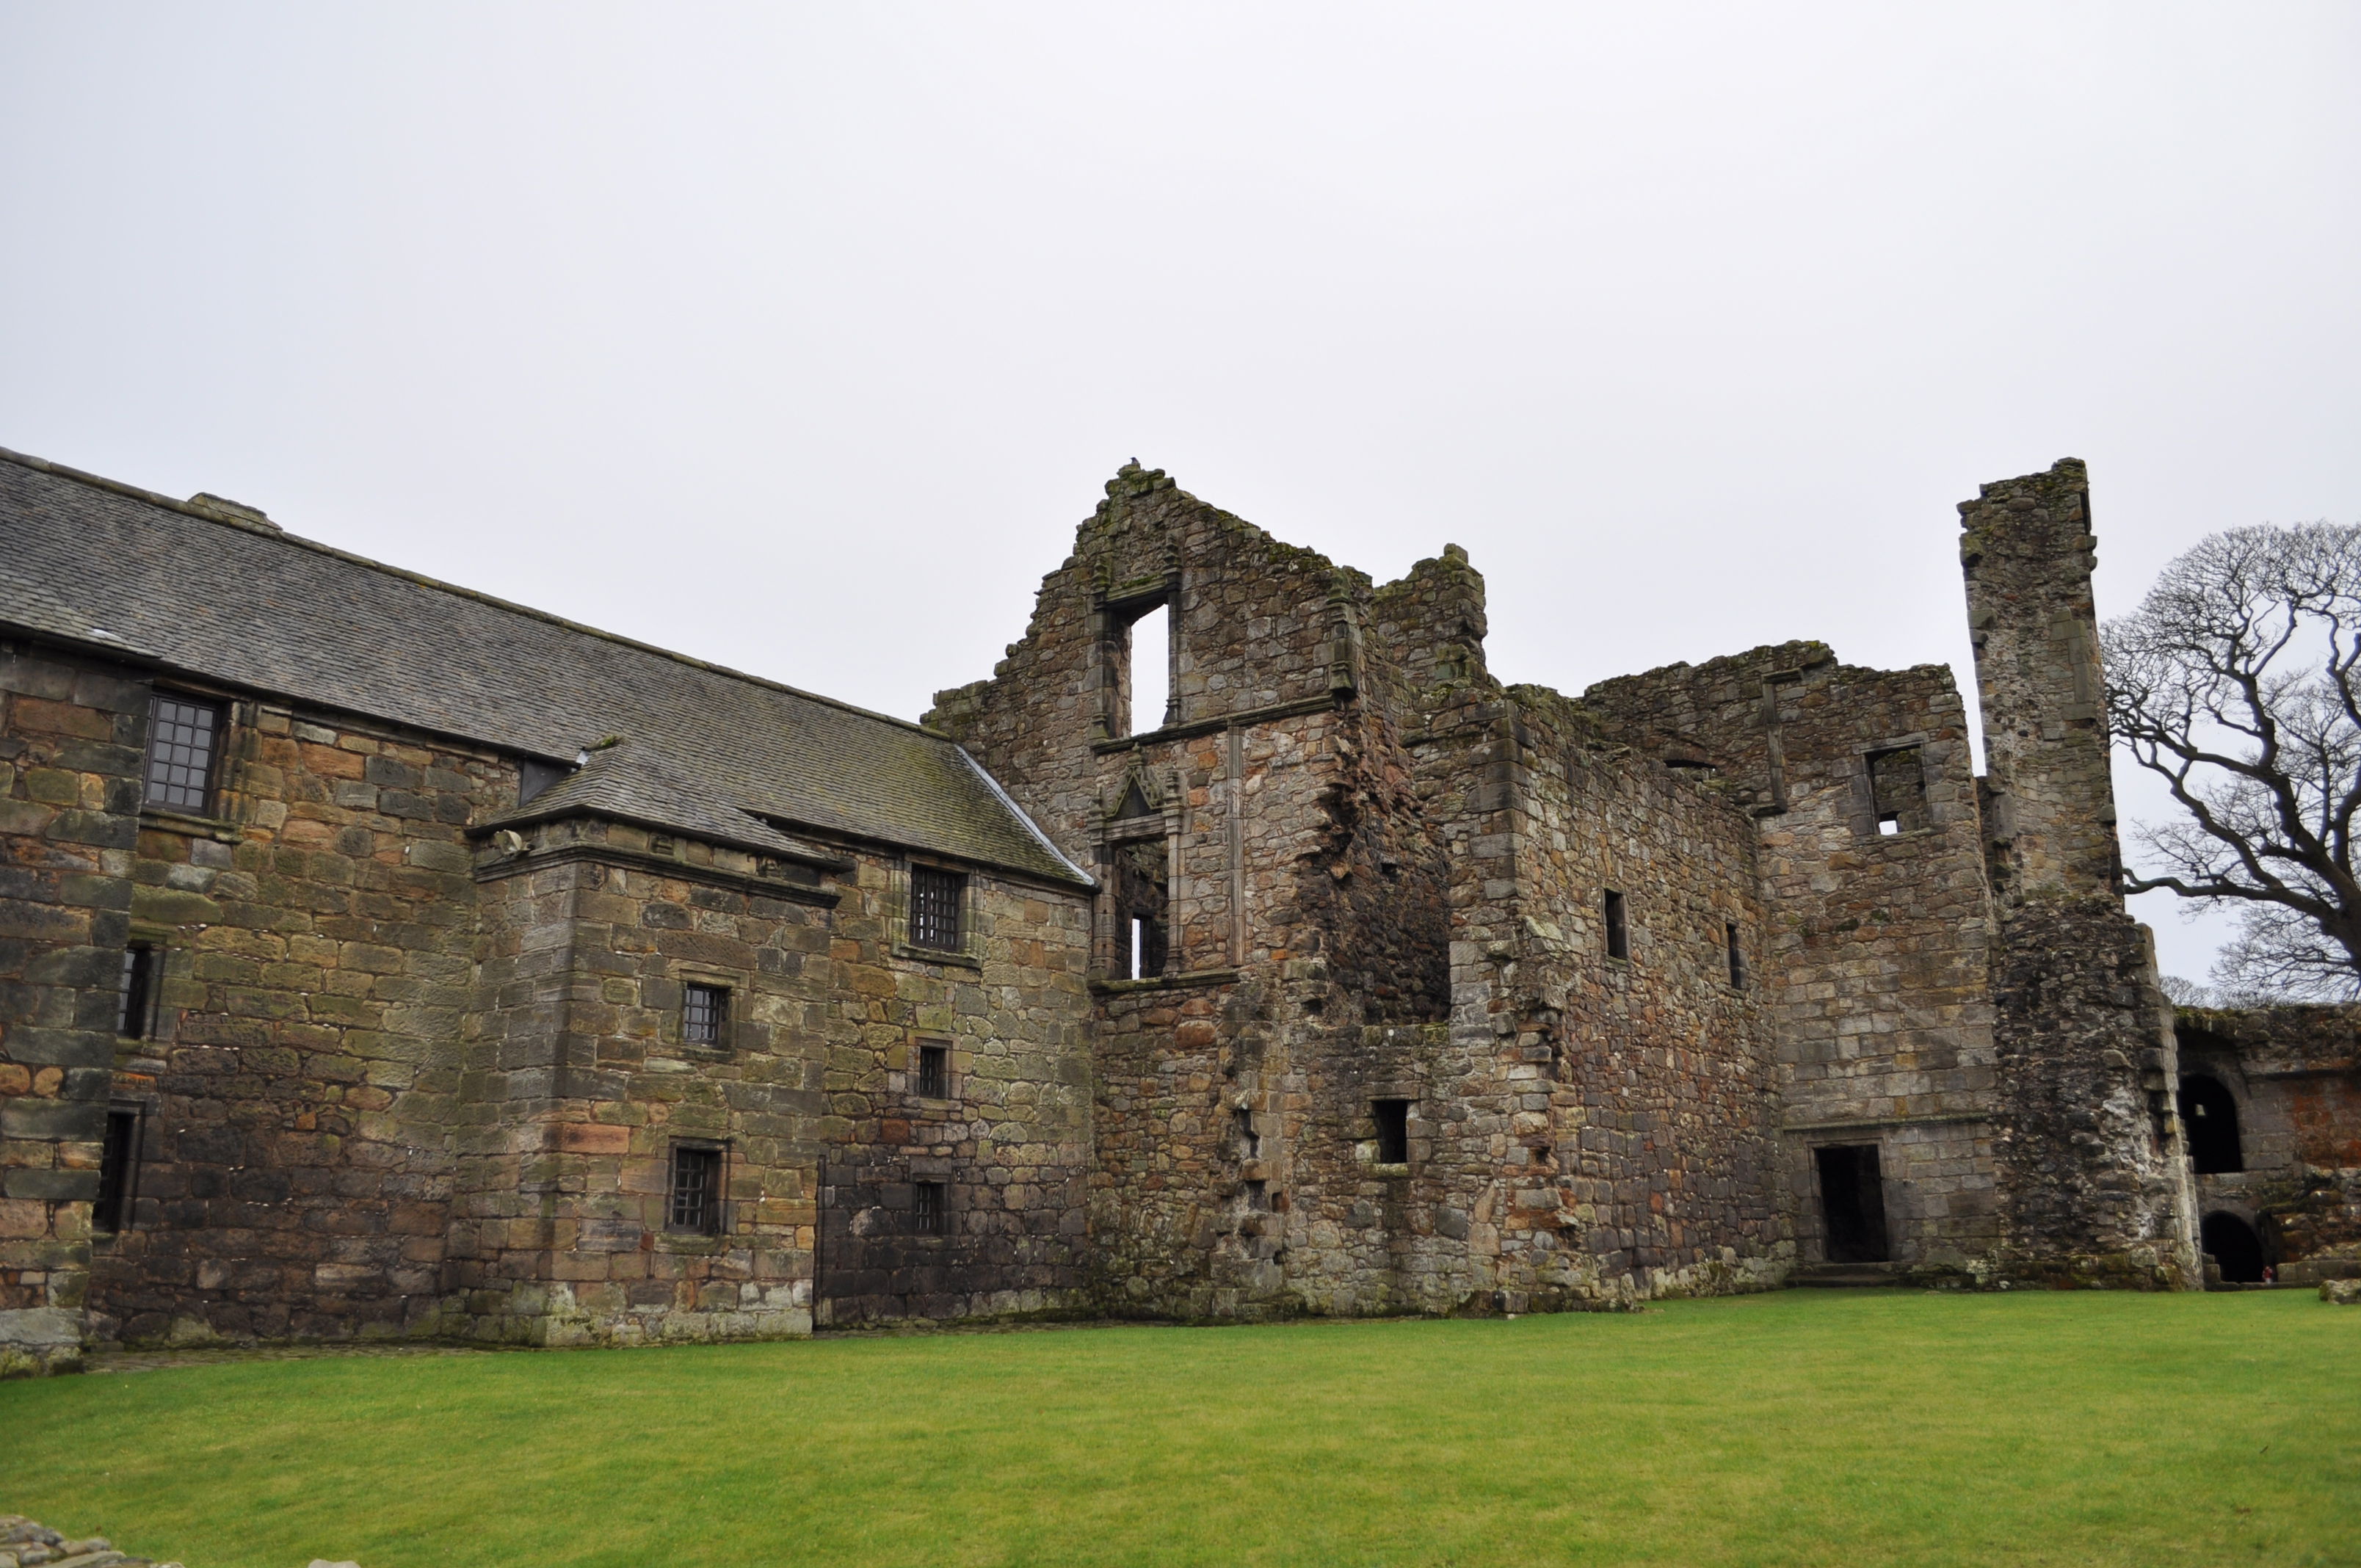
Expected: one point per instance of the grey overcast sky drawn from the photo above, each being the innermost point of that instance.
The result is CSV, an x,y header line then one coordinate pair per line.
x,y
801,337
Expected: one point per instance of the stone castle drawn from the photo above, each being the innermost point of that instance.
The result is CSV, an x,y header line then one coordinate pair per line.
x,y
378,958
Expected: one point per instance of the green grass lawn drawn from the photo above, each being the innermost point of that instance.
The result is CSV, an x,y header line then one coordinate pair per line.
x,y
1830,1427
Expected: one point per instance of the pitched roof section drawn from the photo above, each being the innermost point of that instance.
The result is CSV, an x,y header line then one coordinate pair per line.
x,y
707,751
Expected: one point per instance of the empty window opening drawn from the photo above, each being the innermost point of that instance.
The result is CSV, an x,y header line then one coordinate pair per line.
x,y
695,1205
705,1014
1393,1117
1257,1195
1897,788
2210,1116
2234,1246
927,1206
183,738
1619,929
935,1072
1151,670
118,1170
136,1003
935,897
1249,1141
1736,958
1852,1203
1142,887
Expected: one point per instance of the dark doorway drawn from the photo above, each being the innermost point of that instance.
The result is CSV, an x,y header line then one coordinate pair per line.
x,y
1852,1203
2231,1244
2211,1117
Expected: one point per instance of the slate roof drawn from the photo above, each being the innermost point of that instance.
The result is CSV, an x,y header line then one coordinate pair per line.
x,y
706,750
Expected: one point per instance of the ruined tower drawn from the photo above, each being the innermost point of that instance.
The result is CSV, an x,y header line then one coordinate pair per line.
x,y
2093,1178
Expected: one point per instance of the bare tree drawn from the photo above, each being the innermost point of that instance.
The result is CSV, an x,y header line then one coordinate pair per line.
x,y
2238,682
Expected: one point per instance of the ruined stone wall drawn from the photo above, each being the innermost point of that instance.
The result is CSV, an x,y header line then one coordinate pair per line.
x,y
1879,925
1611,1126
299,1086
2295,1075
71,733
2094,1172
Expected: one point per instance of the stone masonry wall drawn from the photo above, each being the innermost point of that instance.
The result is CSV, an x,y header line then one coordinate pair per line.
x,y
71,733
2094,1173
580,1085
299,1086
2295,1074
1879,942
1612,1133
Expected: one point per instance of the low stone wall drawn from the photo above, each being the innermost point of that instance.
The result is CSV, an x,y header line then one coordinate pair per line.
x,y
24,1544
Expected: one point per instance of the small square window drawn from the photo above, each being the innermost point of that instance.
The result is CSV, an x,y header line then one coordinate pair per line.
x,y
1393,1117
705,1014
935,1072
183,739
135,1003
696,1203
927,1204
936,896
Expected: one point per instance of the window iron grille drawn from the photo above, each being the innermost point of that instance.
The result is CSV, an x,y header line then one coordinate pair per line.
x,y
695,1206
926,1207
934,899
705,1014
183,738
935,1072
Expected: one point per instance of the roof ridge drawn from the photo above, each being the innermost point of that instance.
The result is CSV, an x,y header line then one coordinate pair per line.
x,y
272,531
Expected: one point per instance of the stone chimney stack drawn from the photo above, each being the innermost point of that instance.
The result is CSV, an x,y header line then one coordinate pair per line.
x,y
2029,553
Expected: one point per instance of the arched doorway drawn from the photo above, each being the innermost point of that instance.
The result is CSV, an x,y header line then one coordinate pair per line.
x,y
2211,1116
2234,1246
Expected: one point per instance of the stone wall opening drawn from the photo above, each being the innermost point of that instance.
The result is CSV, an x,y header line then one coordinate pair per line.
x,y
1852,1203
1619,928
1150,659
1142,900
1897,788
2210,1113
1392,1119
2235,1247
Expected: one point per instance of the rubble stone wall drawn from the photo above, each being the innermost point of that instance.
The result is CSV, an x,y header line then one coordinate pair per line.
x,y
1878,943
70,737
2295,1075
2093,1168
301,1084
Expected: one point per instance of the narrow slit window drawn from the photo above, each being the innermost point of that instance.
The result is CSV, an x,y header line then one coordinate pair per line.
x,y
936,896
935,1072
705,1014
1249,1141
136,1003
1736,958
926,1207
1257,1195
1151,669
183,741
1618,929
118,1169
1393,1117
696,1205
